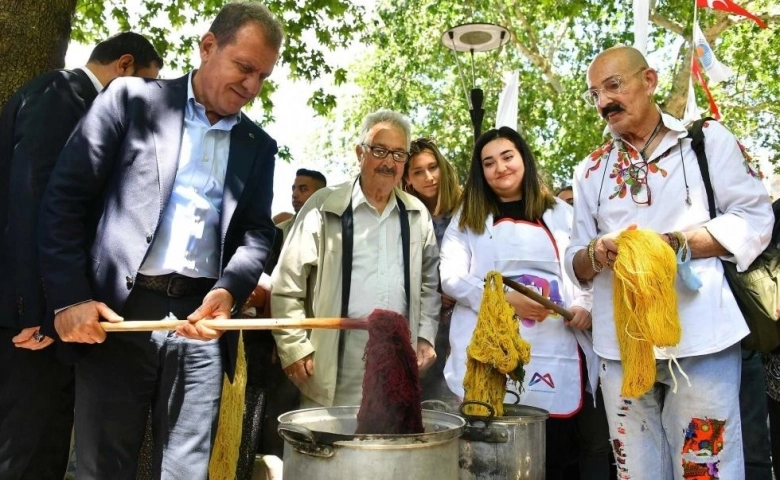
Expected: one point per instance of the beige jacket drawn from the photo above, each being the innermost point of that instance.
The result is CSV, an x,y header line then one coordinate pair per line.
x,y
285,226
310,268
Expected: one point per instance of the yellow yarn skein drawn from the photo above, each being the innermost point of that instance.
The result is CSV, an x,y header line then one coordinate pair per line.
x,y
224,456
645,305
495,351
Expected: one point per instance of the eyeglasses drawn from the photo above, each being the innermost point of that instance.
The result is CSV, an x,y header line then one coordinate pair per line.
x,y
381,152
611,86
637,183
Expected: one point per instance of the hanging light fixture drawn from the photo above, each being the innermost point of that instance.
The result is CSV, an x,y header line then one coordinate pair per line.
x,y
474,38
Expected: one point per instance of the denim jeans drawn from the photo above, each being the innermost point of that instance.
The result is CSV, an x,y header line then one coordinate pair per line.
x,y
666,435
753,411
122,378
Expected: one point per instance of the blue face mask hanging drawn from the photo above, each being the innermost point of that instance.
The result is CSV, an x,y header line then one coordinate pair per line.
x,y
684,270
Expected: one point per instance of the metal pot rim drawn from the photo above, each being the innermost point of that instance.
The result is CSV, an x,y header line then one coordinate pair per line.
x,y
445,427
525,413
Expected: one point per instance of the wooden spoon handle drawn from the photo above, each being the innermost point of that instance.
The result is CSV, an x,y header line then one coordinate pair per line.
x,y
239,324
545,302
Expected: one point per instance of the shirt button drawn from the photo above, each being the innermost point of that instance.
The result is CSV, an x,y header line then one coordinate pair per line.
x,y
129,281
148,238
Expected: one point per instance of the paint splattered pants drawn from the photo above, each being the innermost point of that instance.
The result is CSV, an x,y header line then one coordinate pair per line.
x,y
694,434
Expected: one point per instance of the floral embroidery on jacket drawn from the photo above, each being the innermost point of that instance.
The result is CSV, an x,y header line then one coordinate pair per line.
x,y
751,167
630,171
749,164
627,169
597,156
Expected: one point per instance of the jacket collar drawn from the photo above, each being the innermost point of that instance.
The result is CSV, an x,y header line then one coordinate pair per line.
x,y
92,78
86,89
167,106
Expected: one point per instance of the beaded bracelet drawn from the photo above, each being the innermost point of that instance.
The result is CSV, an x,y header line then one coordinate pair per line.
x,y
597,267
677,240
671,238
682,240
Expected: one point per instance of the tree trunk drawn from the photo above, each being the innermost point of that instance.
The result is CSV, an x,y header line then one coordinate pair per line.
x,y
34,39
678,98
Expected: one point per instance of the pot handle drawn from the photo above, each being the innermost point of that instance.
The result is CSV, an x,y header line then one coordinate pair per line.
x,y
302,440
470,418
516,395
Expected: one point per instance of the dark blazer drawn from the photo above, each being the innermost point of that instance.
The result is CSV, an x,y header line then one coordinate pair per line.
x,y
105,200
34,126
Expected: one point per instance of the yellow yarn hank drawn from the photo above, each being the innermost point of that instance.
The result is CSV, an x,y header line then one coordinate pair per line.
x,y
495,351
224,456
645,305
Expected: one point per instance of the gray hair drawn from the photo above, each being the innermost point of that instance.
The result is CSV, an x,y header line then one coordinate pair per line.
x,y
386,116
235,15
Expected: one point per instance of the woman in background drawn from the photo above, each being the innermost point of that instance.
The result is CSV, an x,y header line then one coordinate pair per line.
x,y
431,178
509,221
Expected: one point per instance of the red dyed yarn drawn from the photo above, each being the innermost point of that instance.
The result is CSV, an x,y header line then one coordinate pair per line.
x,y
391,384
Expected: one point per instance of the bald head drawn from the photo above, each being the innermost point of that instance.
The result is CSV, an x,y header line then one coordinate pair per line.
x,y
629,57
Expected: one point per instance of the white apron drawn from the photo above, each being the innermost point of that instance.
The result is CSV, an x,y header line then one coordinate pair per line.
x,y
553,380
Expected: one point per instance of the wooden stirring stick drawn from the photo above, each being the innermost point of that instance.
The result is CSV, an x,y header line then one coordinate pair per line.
x,y
239,324
545,302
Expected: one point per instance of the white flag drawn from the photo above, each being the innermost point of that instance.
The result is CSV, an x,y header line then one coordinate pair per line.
x,y
715,70
692,111
641,21
507,102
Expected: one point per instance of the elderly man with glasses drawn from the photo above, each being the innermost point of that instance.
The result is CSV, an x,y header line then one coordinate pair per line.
x,y
695,431
353,248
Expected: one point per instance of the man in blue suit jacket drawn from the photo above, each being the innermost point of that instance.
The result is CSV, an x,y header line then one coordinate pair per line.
x,y
36,390
160,204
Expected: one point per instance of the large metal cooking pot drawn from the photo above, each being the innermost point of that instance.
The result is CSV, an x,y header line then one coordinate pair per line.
x,y
320,443
502,448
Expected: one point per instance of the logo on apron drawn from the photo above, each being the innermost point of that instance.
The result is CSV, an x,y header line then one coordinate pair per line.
x,y
538,377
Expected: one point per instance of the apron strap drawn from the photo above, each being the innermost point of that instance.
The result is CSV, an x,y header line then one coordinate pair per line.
x,y
347,232
347,249
405,241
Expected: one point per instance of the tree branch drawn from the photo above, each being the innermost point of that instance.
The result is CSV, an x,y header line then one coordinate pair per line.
x,y
762,107
723,22
533,51
562,29
666,23
676,101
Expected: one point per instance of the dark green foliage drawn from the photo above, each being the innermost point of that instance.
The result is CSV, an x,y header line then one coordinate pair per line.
x,y
411,71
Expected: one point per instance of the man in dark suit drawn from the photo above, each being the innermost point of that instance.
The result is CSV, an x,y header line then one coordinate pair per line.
x,y
160,204
36,391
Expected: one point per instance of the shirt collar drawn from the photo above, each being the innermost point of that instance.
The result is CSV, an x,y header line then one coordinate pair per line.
x,y
92,78
195,110
358,198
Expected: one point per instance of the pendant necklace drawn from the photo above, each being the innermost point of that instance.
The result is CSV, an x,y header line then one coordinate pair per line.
x,y
657,129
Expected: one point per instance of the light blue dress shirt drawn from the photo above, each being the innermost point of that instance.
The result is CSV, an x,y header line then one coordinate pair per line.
x,y
187,240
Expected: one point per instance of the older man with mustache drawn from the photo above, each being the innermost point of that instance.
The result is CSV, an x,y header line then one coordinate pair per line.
x,y
688,424
353,248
